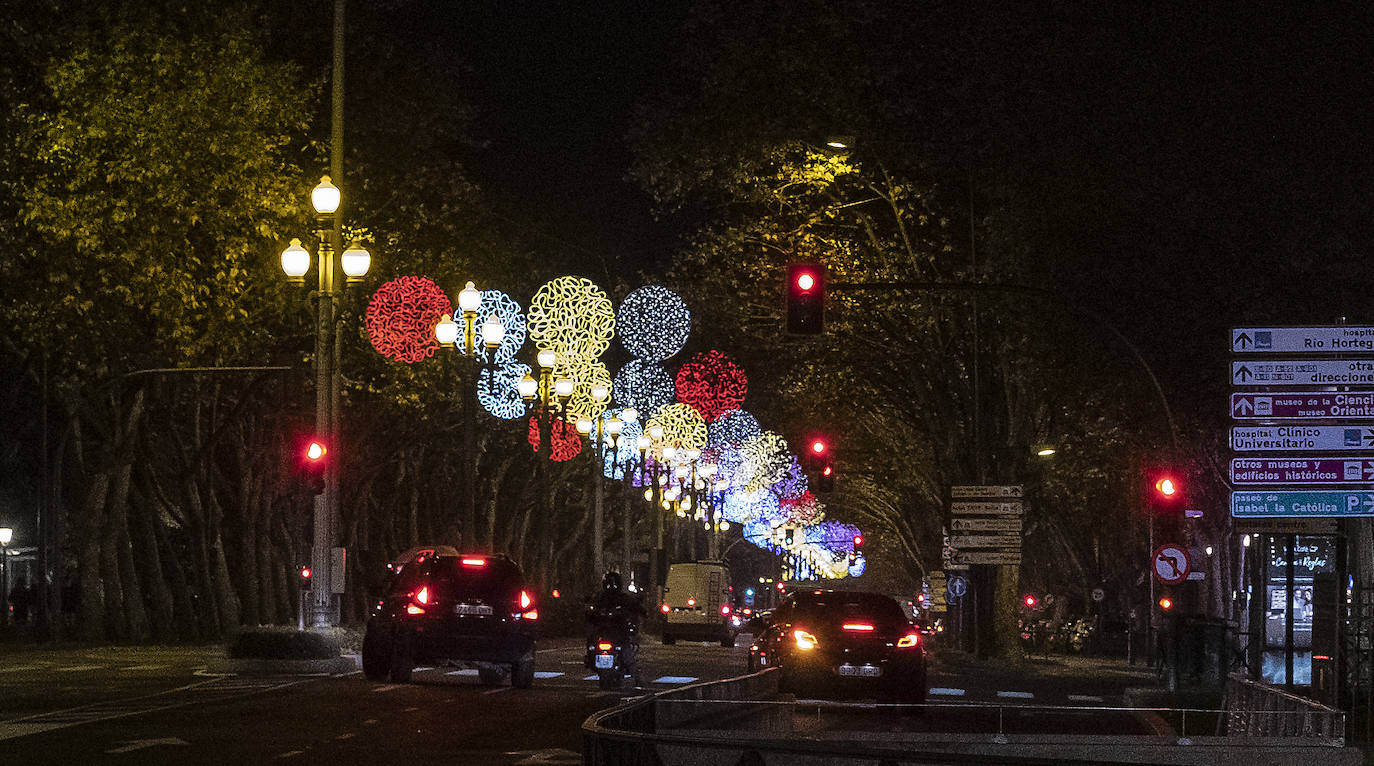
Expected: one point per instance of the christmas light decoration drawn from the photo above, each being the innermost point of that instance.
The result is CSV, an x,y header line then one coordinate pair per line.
x,y
802,510
833,535
712,383
565,442
625,456
682,425
653,323
746,507
497,391
793,482
734,427
573,317
644,386
766,459
401,316
584,375
506,309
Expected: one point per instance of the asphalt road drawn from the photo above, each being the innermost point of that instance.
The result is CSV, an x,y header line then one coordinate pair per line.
x,y
158,706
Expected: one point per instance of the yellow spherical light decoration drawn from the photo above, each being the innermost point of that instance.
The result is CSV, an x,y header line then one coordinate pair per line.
x,y
573,317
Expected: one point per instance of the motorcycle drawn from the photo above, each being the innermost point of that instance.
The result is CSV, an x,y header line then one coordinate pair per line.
x,y
611,649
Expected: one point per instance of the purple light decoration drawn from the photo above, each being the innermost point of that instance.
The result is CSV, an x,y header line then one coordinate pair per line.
x,y
644,386
793,483
833,535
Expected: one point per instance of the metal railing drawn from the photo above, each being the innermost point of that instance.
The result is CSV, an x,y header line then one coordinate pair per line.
x,y
1254,709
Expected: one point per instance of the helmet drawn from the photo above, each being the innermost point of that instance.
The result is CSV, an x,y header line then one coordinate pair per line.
x,y
610,581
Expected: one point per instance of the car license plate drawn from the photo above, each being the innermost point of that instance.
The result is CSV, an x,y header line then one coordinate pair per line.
x,y
605,661
860,671
472,609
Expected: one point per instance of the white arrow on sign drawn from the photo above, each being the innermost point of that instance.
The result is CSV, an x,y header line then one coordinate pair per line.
x,y
140,744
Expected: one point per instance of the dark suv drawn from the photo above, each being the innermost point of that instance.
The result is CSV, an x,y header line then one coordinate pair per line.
x,y
446,608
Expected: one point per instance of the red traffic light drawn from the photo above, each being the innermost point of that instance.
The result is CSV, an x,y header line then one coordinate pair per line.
x,y
1030,601
805,299
818,447
858,541
315,451
827,471
1166,603
306,572
1166,487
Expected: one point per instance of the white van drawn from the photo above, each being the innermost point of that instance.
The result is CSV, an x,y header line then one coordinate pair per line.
x,y
696,603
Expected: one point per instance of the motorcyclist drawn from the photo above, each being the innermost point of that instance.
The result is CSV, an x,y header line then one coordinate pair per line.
x,y
616,615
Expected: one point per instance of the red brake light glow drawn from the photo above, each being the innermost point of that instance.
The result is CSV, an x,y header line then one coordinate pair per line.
x,y
525,599
605,646
474,562
725,609
422,597
857,626
908,641
664,609
804,640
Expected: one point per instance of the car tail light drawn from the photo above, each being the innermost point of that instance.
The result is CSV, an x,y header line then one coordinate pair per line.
x,y
418,601
526,605
909,640
804,640
861,627
725,609
664,609
605,646
525,599
473,561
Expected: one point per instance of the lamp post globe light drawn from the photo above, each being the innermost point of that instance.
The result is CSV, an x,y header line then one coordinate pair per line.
x,y
447,333
353,263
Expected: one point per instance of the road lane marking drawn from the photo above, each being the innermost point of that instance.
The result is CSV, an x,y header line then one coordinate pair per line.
x,y
291,754
591,678
145,667
498,690
77,668
947,692
546,674
387,687
18,668
410,710
675,680
1085,698
1016,695
463,672
349,735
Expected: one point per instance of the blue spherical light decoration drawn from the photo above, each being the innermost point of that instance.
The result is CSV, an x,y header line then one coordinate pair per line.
x,y
857,568
653,323
644,386
625,456
734,427
497,390
833,536
512,319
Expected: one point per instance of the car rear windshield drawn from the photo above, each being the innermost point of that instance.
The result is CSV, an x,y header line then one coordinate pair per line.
x,y
836,609
494,580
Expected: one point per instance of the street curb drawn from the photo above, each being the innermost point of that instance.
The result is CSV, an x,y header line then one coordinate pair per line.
x,y
249,666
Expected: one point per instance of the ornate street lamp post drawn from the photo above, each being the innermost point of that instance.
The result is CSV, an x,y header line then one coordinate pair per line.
x,y
446,333
354,263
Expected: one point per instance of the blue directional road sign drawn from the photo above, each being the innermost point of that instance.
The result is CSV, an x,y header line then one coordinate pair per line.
x,y
1338,339
1315,502
1303,372
1344,437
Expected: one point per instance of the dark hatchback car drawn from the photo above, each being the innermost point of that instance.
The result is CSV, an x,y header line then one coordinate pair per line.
x,y
446,608
843,644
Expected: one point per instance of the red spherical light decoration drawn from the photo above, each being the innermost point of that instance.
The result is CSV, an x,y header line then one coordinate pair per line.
x,y
566,441
401,318
712,384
